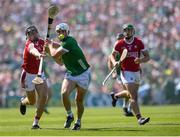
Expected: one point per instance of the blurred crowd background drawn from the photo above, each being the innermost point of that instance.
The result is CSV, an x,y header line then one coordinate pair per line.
x,y
95,24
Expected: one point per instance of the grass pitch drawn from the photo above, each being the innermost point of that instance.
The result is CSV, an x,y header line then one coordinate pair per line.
x,y
106,121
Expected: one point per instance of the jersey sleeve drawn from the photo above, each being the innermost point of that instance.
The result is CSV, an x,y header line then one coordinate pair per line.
x,y
30,46
68,45
116,47
41,41
141,46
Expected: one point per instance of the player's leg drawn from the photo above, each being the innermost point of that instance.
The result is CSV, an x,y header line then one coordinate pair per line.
x,y
41,90
49,92
109,63
126,103
121,94
110,66
131,81
133,89
80,94
83,82
127,107
67,87
29,87
30,99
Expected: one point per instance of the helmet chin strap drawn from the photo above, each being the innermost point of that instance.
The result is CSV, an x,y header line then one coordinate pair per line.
x,y
35,39
129,39
125,34
61,36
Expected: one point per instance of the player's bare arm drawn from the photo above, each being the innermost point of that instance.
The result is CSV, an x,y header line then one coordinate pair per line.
x,y
53,50
59,52
58,60
113,57
143,59
49,46
34,51
109,62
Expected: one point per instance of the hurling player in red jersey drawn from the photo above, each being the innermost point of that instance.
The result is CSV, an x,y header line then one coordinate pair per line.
x,y
31,59
116,75
130,68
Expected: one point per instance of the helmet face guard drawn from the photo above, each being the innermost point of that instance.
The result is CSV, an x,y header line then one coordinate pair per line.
x,y
31,30
128,30
119,36
63,30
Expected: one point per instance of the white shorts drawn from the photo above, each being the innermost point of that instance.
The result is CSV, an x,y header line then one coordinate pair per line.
x,y
118,79
130,77
82,80
48,82
26,80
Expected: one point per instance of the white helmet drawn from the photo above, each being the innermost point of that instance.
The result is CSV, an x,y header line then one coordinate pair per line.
x,y
62,26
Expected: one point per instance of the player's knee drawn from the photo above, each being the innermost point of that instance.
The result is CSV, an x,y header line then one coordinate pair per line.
x,y
64,93
64,90
128,95
133,101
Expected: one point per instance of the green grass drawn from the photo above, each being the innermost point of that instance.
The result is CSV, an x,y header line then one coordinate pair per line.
x,y
107,121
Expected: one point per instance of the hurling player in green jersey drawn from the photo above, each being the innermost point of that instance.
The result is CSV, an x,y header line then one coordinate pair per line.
x,y
77,77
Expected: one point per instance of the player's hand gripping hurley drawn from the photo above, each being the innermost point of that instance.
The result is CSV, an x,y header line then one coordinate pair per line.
x,y
123,56
52,12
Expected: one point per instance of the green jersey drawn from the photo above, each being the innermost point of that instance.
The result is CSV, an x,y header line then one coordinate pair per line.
x,y
74,59
118,68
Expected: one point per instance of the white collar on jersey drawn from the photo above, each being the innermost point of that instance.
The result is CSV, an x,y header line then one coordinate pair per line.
x,y
129,42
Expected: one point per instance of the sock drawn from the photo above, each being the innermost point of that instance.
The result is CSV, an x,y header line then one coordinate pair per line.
x,y
69,113
78,121
138,116
24,101
129,107
36,120
125,103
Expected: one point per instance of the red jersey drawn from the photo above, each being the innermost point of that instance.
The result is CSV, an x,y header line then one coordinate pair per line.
x,y
31,63
134,49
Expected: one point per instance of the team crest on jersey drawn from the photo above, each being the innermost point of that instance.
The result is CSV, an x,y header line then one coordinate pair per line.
x,y
129,47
